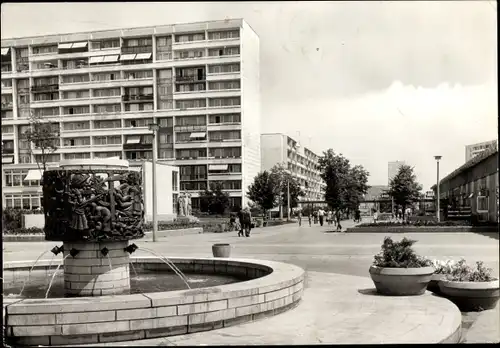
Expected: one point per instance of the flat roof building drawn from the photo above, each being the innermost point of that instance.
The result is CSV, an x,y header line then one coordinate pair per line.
x,y
199,82
302,163
475,149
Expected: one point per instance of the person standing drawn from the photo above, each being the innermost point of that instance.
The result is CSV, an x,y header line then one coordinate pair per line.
x,y
310,219
337,218
321,215
300,218
329,217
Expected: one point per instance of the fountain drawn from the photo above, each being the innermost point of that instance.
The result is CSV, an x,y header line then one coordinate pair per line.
x,y
95,208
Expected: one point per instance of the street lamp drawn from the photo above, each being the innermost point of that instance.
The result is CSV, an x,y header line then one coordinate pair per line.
x,y
154,127
438,215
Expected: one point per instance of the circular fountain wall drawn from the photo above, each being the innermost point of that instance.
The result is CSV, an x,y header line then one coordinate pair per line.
x,y
94,207
271,288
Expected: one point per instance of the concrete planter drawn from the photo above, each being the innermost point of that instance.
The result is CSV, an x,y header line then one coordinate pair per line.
x,y
221,250
434,283
401,281
471,296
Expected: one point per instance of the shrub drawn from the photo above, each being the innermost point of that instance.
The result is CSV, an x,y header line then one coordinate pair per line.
x,y
399,255
461,272
418,223
443,267
12,217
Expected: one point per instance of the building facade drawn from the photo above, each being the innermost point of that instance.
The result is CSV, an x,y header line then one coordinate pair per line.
x,y
300,161
199,82
393,169
475,149
474,185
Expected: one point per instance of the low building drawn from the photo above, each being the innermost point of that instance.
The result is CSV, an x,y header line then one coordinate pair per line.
x,y
474,185
374,194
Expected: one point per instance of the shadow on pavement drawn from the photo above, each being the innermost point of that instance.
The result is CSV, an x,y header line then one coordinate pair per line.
x,y
492,235
370,292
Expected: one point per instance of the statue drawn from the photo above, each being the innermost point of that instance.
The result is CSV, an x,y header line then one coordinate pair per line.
x,y
189,209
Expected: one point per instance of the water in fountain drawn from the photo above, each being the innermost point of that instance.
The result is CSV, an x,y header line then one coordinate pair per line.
x,y
50,263
54,275
171,265
31,269
109,261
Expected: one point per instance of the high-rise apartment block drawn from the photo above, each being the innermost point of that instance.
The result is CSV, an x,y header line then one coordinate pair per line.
x,y
300,161
199,82
473,150
393,169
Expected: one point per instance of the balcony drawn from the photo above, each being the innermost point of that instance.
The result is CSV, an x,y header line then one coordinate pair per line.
x,y
190,128
190,79
45,88
137,146
138,98
193,177
137,49
7,106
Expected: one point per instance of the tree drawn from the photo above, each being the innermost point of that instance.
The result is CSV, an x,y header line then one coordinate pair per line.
x,y
263,191
214,200
44,136
283,180
404,188
345,185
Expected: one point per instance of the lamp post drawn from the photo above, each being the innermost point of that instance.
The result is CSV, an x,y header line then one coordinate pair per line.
x,y
438,215
154,127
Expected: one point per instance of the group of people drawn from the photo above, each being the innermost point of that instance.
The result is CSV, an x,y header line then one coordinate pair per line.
x,y
321,215
242,222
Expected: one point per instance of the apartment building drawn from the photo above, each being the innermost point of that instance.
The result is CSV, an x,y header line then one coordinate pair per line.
x,y
199,82
300,161
473,150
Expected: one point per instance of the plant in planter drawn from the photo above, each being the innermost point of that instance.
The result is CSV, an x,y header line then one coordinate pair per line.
x,y
398,271
441,269
471,288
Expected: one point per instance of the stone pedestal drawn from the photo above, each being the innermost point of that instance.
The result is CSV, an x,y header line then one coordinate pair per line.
x,y
91,273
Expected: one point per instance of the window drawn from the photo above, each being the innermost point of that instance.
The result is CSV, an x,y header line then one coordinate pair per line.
x,y
108,154
107,124
194,153
166,138
193,186
189,37
46,112
190,87
139,74
76,94
44,49
7,129
231,185
225,135
165,104
74,156
234,168
191,121
138,122
138,155
7,83
226,152
221,85
166,122
222,35
107,92
25,201
54,158
235,201
164,42
104,44
72,126
224,102
81,141
482,204
46,96
23,158
226,51
108,140
191,54
166,153
107,108
76,110
224,68
76,78
175,183
105,76
191,104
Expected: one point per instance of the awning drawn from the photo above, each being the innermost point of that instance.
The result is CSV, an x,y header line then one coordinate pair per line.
x,y
198,135
143,56
127,57
5,51
7,159
94,60
79,44
64,46
217,167
471,195
33,174
109,59
133,140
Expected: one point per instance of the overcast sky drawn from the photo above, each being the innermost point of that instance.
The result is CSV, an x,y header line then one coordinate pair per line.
x,y
376,81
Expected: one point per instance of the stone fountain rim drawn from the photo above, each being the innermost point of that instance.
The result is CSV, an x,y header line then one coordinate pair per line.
x,y
279,273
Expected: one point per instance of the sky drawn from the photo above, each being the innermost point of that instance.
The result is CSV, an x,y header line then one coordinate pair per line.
x,y
375,81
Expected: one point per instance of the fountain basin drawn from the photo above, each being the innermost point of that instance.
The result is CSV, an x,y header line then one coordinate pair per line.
x,y
273,288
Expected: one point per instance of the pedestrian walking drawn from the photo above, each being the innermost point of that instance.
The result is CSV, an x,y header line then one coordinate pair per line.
x,y
246,222
339,226
300,218
329,217
321,215
315,215
310,219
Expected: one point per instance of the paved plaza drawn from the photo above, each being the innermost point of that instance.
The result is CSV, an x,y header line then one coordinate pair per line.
x,y
318,250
